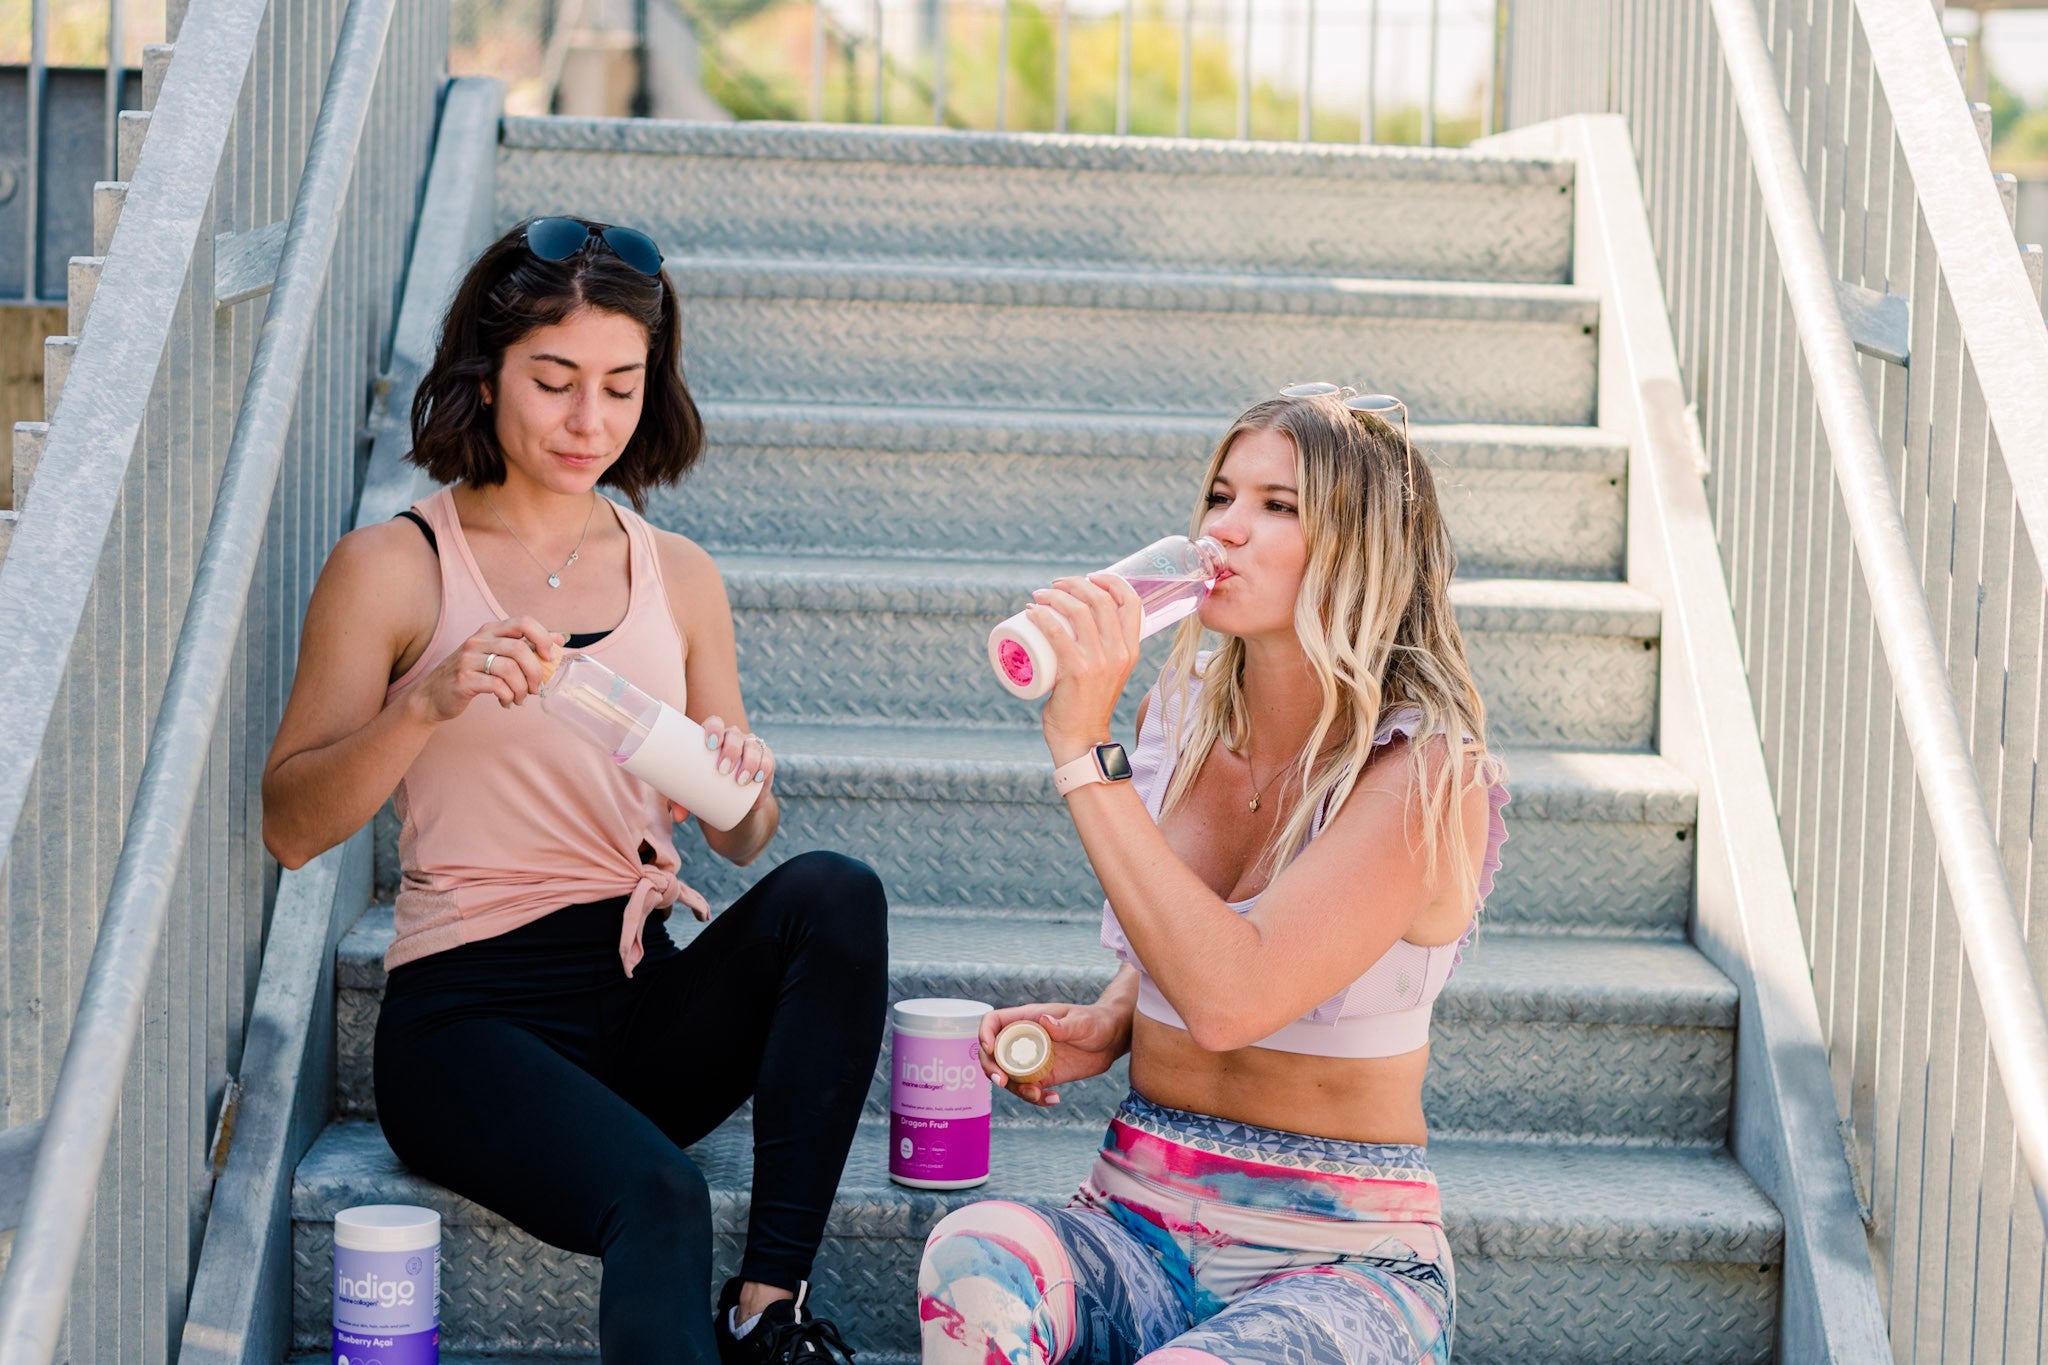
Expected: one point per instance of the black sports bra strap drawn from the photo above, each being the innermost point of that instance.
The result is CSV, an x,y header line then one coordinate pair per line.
x,y
425,530
583,641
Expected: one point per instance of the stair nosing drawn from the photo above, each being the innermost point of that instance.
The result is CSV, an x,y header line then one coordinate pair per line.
x,y
896,429
1727,1210
1504,977
841,757
1126,289
1012,150
958,585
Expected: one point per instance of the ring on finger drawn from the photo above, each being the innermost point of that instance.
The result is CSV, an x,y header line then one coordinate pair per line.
x,y
490,661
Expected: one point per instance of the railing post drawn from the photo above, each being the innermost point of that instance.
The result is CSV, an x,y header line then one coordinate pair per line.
x,y
1123,69
32,182
1244,84
1307,130
1436,24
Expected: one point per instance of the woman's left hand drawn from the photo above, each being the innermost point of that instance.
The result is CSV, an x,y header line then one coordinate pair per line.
x,y
1095,654
742,754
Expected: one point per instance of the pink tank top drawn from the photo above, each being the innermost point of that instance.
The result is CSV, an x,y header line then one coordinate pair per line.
x,y
1385,1012
507,815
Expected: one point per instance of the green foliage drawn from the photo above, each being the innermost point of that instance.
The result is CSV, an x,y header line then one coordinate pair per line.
x,y
2024,148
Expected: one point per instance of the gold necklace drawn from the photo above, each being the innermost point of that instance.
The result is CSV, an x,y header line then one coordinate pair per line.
x,y
1260,790
555,578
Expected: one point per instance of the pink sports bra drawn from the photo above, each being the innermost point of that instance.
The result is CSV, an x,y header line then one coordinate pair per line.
x,y
1386,1011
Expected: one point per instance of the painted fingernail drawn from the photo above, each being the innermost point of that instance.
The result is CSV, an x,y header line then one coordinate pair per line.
x,y
760,777
711,741
726,766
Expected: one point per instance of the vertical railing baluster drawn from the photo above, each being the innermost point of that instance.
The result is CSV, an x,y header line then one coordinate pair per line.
x,y
1368,128
938,39
1306,132
32,187
817,61
881,71
1436,21
117,68
1487,95
1123,69
1065,44
1244,81
1003,68
1187,65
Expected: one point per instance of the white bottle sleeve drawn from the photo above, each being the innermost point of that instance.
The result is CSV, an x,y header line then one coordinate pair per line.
x,y
673,760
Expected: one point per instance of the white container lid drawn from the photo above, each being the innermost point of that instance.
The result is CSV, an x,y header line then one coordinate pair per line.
x,y
939,1017
1022,658
387,1227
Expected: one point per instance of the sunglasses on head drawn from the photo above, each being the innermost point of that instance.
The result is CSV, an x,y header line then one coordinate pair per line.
x,y
1365,405
1377,404
557,239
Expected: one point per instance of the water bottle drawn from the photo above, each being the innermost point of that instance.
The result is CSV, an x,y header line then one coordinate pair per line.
x,y
1172,578
648,738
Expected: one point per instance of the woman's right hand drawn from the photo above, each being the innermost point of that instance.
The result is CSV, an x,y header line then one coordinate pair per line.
x,y
514,649
1086,1041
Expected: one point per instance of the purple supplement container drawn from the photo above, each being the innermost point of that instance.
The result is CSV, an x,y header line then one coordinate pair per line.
x,y
939,1096
387,1285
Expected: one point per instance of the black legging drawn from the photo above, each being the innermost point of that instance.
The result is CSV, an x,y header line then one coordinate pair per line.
x,y
527,1073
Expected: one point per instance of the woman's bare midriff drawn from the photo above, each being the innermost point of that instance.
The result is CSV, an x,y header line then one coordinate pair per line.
x,y
1355,1099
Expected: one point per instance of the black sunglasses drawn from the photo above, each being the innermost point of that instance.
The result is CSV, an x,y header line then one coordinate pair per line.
x,y
557,239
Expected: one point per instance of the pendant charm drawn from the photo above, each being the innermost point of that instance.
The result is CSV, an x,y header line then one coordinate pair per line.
x,y
554,580
1255,803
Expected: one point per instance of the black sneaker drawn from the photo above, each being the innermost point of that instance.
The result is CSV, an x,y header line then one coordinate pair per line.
x,y
785,1335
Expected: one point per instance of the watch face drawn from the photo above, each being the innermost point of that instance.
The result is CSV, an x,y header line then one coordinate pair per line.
x,y
1115,763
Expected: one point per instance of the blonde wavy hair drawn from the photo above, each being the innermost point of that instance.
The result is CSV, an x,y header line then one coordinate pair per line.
x,y
1374,618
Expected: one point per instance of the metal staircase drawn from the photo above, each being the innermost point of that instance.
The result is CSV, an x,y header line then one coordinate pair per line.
x,y
936,370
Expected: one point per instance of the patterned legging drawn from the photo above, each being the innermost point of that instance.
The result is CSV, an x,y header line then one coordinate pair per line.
x,y
1196,1240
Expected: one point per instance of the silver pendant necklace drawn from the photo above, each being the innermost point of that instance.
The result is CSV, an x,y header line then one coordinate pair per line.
x,y
555,578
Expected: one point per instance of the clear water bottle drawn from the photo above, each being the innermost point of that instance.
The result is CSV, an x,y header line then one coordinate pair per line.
x,y
648,738
1172,577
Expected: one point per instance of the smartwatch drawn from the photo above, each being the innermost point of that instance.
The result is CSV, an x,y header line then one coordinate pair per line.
x,y
1103,763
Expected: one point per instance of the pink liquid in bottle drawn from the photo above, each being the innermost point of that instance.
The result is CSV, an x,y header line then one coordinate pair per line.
x,y
1171,577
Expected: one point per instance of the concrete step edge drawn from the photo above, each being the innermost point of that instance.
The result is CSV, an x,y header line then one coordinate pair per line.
x,y
1163,436
941,762
1503,977
1502,1200
1066,151
974,586
920,283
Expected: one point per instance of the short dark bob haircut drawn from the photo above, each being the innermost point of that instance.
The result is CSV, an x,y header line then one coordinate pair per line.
x,y
508,294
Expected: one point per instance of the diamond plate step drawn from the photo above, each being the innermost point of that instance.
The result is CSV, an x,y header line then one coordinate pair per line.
x,y
1563,1253
1560,1037
1602,841
1536,502
830,332
870,639
865,193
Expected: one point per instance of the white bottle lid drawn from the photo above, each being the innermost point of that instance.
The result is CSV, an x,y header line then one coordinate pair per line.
x,y
387,1227
1022,658
939,1017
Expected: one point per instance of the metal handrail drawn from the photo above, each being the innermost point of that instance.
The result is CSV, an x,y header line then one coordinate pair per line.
x,y
47,574
2014,1017
87,1099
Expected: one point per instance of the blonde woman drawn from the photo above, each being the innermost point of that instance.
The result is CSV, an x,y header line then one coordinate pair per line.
x,y
1294,857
